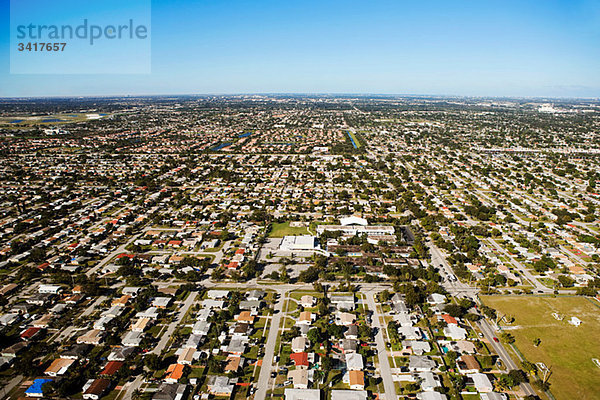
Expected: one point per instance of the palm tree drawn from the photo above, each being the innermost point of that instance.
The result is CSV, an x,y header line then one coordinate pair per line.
x,y
318,376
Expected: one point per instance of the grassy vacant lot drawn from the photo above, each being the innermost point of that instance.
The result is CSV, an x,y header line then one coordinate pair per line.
x,y
356,141
284,229
566,349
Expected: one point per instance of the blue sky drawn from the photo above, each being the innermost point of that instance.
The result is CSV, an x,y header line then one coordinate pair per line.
x,y
484,48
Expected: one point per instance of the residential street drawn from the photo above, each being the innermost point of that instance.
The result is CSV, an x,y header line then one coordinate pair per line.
x,y
384,364
489,334
111,255
173,325
267,361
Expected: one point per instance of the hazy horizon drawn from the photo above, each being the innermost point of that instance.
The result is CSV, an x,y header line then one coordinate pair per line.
x,y
307,94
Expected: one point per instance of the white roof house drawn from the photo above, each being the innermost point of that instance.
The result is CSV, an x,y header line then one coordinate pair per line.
x,y
352,220
161,302
349,395
354,362
217,294
307,301
421,363
151,313
436,298
131,290
52,289
417,347
302,394
132,339
455,332
343,302
101,323
220,385
204,314
299,344
431,396
201,328
120,353
481,382
8,319
210,304
193,341
255,295
114,311
429,381
410,332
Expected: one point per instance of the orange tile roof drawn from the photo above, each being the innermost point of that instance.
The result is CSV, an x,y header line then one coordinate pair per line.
x,y
356,378
233,363
305,316
449,319
111,367
300,359
245,316
175,371
121,300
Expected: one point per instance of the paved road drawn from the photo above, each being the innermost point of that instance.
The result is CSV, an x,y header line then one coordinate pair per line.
x,y
162,343
10,386
454,287
113,254
133,386
93,306
584,226
68,331
173,325
384,363
489,334
267,362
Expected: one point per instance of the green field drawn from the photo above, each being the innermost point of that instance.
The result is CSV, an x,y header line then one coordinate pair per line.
x,y
566,349
45,121
356,141
284,229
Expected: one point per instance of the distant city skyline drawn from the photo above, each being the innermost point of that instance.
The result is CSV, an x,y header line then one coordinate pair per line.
x,y
492,49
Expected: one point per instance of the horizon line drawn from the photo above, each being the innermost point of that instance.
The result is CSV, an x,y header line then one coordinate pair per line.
x,y
359,94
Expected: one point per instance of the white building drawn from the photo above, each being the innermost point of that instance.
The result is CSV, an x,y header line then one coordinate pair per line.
x,y
349,395
431,396
302,394
354,362
481,382
132,339
298,243
353,220
455,332
51,289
